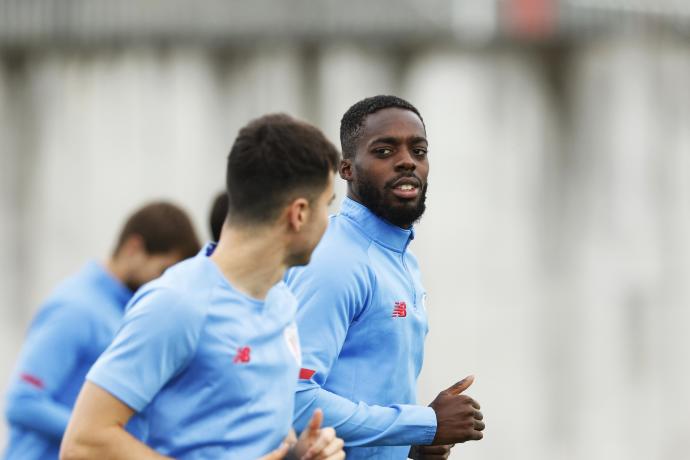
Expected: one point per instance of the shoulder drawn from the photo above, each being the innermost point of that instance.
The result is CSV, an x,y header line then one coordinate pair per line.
x,y
166,305
186,285
172,302
70,303
341,258
344,232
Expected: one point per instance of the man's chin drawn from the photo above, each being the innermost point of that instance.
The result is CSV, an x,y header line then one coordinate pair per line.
x,y
395,202
133,286
299,260
403,214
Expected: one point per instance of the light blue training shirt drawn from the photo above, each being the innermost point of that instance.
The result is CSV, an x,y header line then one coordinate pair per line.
x,y
210,371
72,328
362,323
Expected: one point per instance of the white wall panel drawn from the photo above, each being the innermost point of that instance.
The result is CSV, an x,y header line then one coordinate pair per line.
x,y
555,247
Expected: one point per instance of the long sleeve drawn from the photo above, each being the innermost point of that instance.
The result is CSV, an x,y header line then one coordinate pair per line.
x,y
360,424
48,359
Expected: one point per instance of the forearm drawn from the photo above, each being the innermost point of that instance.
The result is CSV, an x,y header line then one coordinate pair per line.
x,y
112,443
360,424
39,413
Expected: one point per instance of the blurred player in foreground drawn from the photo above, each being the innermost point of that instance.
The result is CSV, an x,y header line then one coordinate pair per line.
x,y
208,356
79,320
362,314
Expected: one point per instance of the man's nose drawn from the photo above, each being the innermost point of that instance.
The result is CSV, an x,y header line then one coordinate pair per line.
x,y
406,160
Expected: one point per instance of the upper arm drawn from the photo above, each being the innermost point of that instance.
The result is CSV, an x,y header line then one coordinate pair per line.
x,y
157,339
96,429
97,409
331,297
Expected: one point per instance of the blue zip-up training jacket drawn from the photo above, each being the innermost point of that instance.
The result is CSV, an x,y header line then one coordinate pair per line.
x,y
70,331
362,324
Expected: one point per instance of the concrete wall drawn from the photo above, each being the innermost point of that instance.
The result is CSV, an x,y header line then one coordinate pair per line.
x,y
555,247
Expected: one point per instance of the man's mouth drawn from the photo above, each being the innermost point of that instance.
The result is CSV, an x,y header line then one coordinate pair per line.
x,y
406,188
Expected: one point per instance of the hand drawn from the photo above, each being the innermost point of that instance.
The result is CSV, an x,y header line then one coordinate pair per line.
x,y
316,443
457,416
430,452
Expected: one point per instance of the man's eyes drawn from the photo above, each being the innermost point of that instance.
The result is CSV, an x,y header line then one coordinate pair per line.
x,y
387,151
383,151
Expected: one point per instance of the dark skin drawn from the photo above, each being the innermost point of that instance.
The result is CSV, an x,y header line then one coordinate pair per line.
x,y
430,452
391,153
391,158
458,416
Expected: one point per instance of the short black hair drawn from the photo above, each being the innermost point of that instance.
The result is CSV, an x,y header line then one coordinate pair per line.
x,y
164,227
352,121
218,215
273,159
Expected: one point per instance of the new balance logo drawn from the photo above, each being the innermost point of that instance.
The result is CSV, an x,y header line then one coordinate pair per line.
x,y
242,355
400,310
31,380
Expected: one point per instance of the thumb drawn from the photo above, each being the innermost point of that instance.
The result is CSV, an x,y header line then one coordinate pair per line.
x,y
315,422
461,386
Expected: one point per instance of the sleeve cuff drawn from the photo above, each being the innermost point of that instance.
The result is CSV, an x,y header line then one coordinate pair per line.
x,y
121,392
427,417
416,425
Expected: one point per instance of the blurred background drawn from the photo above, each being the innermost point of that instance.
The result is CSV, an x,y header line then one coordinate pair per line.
x,y
556,245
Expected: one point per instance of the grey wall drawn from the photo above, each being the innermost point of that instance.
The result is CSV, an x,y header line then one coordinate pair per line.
x,y
555,247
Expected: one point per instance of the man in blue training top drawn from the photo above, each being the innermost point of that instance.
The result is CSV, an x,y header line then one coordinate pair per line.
x,y
208,356
78,322
362,316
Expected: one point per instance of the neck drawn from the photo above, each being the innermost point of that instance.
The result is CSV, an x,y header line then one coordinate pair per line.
x,y
115,267
251,258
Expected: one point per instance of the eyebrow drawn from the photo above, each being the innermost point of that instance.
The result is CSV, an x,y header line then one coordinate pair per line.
x,y
385,140
396,140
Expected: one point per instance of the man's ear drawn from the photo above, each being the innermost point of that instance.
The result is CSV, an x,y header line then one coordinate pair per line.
x,y
345,169
134,243
298,213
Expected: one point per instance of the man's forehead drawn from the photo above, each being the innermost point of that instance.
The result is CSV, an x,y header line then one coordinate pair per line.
x,y
393,121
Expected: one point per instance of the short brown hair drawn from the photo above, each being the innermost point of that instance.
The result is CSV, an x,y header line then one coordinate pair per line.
x,y
164,227
272,159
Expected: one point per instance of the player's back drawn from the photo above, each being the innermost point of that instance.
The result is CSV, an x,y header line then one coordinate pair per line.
x,y
215,369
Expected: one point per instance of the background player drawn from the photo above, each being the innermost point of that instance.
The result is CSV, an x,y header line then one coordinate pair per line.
x,y
78,321
218,214
362,317
208,356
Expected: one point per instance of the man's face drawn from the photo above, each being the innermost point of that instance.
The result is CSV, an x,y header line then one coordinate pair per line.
x,y
388,173
313,230
149,267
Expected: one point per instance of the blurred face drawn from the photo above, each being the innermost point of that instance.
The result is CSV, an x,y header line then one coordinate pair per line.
x,y
148,267
388,173
311,232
